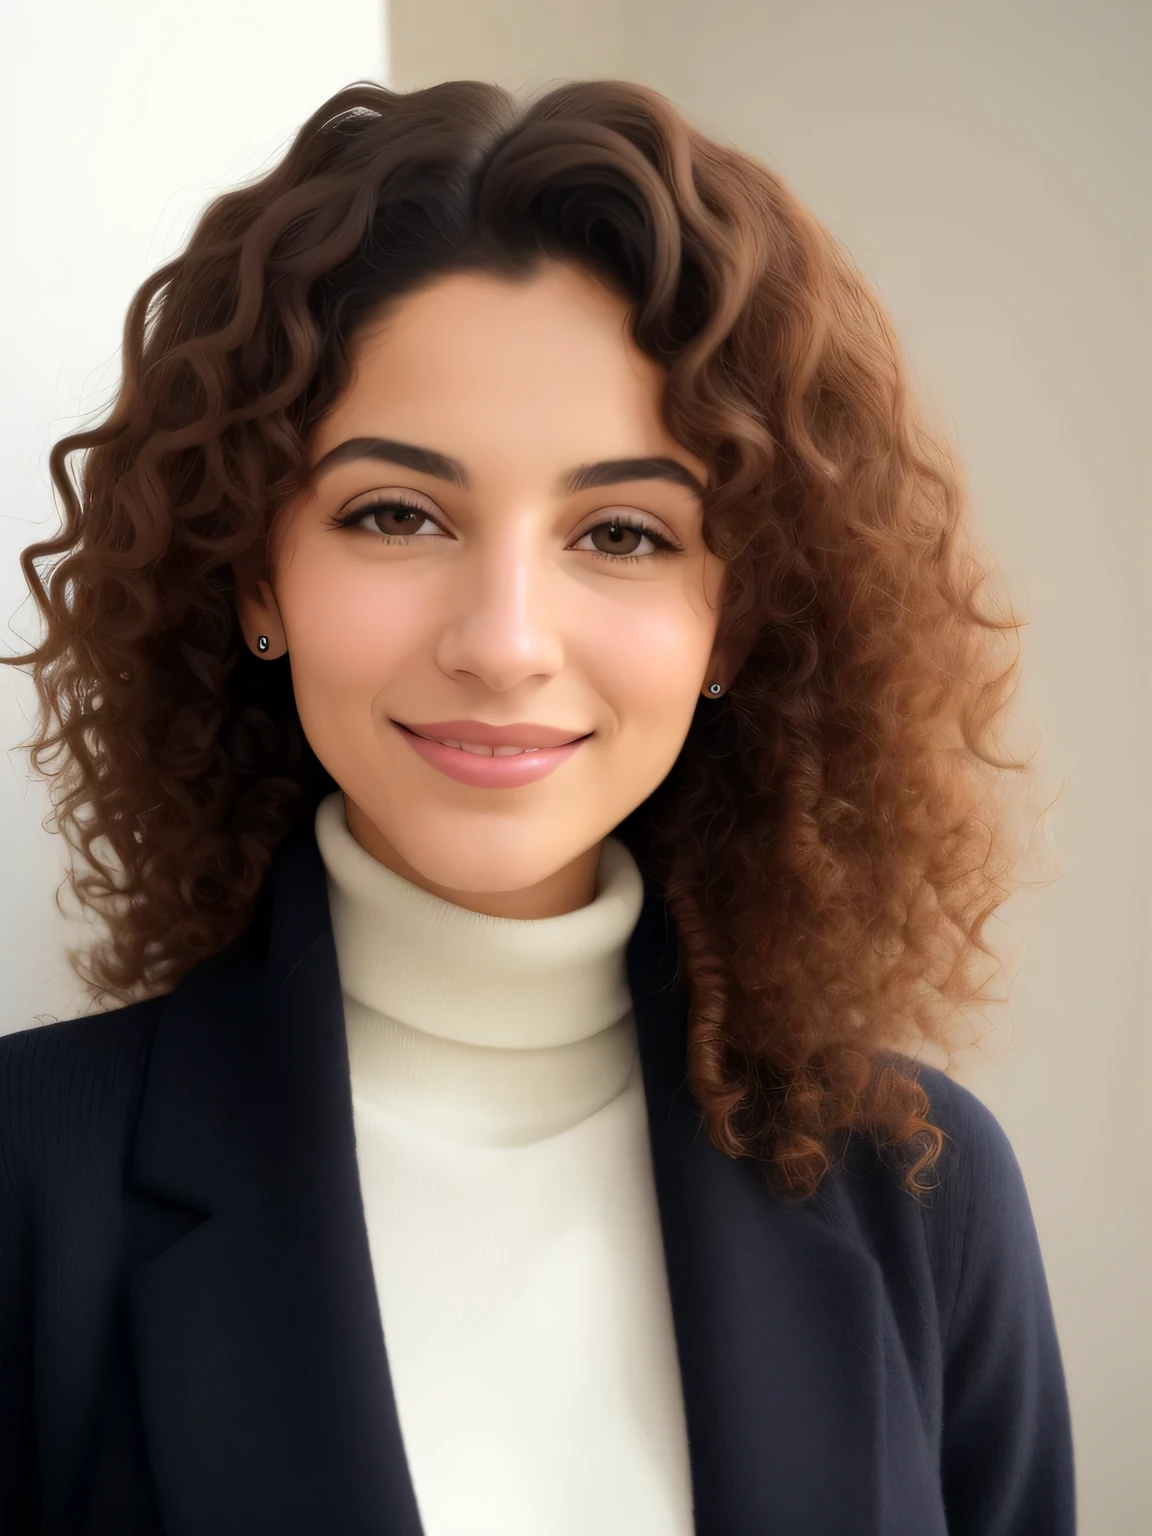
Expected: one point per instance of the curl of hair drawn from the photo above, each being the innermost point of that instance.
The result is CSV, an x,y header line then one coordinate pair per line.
x,y
823,841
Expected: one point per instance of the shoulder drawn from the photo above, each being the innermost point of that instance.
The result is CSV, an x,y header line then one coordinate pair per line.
x,y
91,1043
975,1182
69,1084
977,1218
977,1166
976,1147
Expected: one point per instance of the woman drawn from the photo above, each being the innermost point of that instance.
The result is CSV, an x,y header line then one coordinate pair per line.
x,y
525,711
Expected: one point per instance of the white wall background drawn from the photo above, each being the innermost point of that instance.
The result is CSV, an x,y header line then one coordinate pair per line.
x,y
989,166
120,121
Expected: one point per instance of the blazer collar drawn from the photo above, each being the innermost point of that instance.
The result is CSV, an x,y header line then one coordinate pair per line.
x,y
261,1363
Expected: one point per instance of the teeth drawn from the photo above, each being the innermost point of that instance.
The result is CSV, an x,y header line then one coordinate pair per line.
x,y
471,746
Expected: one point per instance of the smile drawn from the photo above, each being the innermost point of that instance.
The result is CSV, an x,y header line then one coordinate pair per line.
x,y
484,766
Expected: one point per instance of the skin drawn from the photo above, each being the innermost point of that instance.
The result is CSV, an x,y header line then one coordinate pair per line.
x,y
490,601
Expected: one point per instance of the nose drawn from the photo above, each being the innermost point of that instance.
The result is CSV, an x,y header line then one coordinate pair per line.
x,y
502,615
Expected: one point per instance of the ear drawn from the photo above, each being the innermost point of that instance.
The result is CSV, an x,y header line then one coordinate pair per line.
x,y
256,605
729,653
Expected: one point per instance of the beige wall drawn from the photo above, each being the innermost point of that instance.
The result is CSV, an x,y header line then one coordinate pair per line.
x,y
988,166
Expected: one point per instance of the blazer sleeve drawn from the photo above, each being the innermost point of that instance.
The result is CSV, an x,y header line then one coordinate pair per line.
x,y
1006,1452
19,1504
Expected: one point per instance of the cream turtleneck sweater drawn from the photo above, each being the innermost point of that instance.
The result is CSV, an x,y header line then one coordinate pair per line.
x,y
502,1143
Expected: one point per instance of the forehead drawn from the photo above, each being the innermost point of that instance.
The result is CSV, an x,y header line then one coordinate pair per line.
x,y
469,314
472,360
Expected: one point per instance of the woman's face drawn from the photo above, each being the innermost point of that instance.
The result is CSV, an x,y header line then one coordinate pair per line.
x,y
498,531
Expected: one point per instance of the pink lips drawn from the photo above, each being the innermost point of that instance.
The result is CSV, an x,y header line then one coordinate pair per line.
x,y
545,748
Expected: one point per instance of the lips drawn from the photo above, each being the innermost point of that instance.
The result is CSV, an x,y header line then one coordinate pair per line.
x,y
488,764
479,737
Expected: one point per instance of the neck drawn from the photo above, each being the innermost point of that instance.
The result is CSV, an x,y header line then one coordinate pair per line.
x,y
487,1031
567,890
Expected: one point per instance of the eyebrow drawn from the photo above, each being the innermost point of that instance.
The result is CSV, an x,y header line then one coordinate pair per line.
x,y
440,466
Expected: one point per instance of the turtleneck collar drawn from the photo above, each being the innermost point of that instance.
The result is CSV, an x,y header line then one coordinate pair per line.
x,y
491,1030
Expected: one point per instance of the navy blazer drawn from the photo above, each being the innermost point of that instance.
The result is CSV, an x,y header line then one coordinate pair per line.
x,y
190,1341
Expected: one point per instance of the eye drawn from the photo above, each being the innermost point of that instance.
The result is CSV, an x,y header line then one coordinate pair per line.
x,y
393,517
621,538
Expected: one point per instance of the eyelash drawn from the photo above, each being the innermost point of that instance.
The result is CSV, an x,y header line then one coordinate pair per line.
x,y
664,546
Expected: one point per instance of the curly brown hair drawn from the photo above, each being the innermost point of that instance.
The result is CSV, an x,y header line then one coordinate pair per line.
x,y
825,840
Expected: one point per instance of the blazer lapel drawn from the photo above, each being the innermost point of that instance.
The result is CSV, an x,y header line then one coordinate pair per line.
x,y
261,1368
780,1322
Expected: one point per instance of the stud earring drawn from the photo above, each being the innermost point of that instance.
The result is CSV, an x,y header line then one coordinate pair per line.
x,y
714,689
262,643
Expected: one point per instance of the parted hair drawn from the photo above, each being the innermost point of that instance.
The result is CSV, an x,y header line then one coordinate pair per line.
x,y
830,841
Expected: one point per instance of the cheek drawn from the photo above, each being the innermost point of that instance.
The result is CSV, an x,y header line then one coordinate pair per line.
x,y
347,629
649,659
